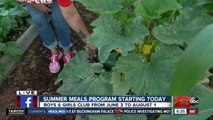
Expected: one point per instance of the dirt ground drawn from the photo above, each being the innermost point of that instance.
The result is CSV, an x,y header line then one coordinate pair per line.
x,y
32,72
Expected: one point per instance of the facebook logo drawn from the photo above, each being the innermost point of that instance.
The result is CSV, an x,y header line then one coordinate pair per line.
x,y
27,101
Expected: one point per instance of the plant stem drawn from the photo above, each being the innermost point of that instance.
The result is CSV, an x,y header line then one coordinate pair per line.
x,y
150,32
172,16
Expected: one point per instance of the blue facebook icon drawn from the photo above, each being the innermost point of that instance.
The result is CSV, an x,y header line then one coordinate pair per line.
x,y
26,101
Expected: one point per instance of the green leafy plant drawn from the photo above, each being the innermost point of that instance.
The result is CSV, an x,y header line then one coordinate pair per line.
x,y
11,16
197,60
149,41
13,21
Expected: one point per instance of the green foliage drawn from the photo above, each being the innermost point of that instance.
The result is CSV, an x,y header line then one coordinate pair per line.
x,y
85,78
152,9
155,73
197,60
113,36
204,91
149,42
2,46
178,32
13,50
127,3
125,16
12,15
121,86
8,3
209,8
202,2
192,3
5,25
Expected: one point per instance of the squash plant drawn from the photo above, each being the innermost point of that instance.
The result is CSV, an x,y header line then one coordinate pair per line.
x,y
143,40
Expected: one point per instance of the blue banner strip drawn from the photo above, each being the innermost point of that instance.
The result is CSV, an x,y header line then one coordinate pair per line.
x,y
67,111
57,111
105,98
35,111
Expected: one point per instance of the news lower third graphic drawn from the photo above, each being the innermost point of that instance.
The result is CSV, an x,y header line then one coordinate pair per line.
x,y
29,103
185,101
16,111
26,98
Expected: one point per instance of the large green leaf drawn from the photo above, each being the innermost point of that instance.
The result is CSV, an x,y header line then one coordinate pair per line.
x,y
127,3
204,91
17,11
108,35
202,2
8,3
13,50
117,117
120,85
152,9
5,23
4,12
188,24
150,77
125,16
192,3
196,60
205,110
82,78
102,6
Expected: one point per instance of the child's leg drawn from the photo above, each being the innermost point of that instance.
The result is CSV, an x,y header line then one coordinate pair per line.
x,y
46,33
73,18
63,32
61,27
44,28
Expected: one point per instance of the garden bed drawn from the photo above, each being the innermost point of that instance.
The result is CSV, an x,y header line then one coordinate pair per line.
x,y
23,42
32,73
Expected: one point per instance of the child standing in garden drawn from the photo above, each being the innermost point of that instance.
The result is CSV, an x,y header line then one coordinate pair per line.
x,y
73,18
39,14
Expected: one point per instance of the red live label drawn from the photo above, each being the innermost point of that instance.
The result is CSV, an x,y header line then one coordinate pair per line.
x,y
192,111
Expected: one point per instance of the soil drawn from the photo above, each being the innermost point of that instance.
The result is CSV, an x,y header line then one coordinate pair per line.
x,y
32,73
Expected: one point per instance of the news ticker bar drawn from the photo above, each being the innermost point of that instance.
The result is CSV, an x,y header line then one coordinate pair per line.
x,y
95,98
68,111
183,111
105,98
27,101
105,104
